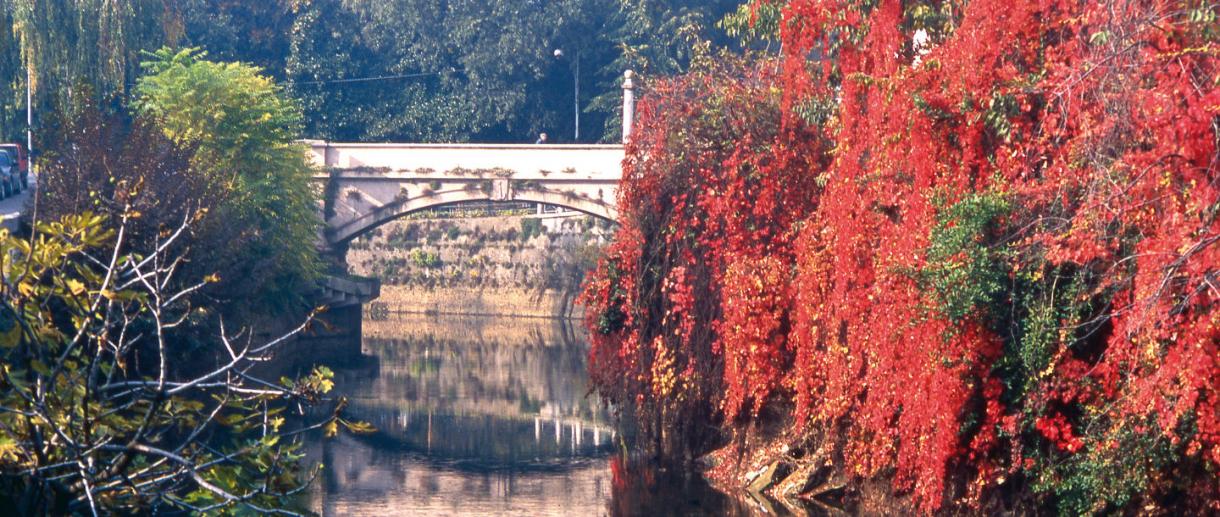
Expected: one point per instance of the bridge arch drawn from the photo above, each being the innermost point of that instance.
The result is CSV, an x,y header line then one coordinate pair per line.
x,y
343,234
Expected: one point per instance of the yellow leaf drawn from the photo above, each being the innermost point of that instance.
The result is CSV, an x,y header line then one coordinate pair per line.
x,y
9,451
76,287
360,427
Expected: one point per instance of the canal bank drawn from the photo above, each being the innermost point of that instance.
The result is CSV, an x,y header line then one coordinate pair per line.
x,y
477,301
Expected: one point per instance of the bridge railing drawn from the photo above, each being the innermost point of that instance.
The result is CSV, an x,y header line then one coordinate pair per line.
x,y
598,162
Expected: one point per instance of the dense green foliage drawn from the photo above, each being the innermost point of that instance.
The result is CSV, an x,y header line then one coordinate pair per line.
x,y
209,143
476,70
406,70
964,273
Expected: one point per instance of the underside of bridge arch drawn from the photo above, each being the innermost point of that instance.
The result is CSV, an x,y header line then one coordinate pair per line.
x,y
338,236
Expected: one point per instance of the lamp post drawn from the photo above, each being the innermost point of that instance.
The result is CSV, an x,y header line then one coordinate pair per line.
x,y
29,117
576,90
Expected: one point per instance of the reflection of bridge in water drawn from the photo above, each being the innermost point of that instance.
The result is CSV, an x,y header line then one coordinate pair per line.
x,y
486,442
479,391
578,429
488,413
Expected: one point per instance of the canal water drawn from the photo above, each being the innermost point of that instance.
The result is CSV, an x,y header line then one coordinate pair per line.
x,y
482,416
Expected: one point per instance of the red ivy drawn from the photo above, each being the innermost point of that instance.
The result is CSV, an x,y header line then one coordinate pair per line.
x,y
761,256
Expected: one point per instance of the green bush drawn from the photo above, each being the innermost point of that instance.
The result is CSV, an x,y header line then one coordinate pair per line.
x,y
530,227
425,259
964,272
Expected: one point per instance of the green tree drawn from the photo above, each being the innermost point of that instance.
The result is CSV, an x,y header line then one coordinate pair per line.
x,y
653,38
754,25
456,71
12,80
254,32
70,43
476,70
444,71
261,235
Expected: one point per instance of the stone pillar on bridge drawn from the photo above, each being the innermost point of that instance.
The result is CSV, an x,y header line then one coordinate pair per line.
x,y
628,104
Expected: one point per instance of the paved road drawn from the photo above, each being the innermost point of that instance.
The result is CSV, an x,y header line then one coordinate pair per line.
x,y
11,207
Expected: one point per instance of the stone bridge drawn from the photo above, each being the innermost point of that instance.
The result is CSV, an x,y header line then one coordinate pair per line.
x,y
367,185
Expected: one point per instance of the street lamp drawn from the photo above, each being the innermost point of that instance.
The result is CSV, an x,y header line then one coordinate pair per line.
x,y
29,117
576,93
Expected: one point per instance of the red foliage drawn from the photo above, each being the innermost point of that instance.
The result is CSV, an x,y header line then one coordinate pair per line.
x,y
710,179
752,331
1059,432
1105,146
804,261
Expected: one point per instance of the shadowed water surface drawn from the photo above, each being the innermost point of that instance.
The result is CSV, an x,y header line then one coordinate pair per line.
x,y
488,416
474,416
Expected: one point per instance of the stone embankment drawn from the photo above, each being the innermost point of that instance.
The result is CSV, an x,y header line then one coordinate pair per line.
x,y
477,301
520,264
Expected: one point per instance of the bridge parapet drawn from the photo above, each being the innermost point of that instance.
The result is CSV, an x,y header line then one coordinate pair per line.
x,y
541,162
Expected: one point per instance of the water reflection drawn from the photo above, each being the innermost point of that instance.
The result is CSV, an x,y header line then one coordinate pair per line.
x,y
362,479
489,416
641,489
474,417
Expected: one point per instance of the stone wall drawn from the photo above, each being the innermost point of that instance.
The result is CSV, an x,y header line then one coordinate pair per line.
x,y
520,264
476,301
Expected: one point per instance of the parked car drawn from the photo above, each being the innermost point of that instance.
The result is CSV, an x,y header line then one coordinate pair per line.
x,y
10,177
18,154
